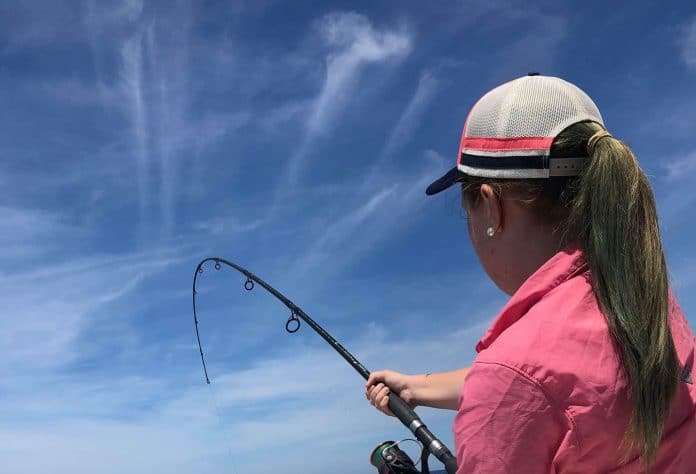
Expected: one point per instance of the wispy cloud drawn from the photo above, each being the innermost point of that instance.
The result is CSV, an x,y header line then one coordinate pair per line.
x,y
169,56
332,243
437,159
407,123
30,234
286,113
684,275
52,293
48,307
101,14
370,222
688,51
349,43
132,86
675,193
104,22
168,136
353,43
227,225
681,168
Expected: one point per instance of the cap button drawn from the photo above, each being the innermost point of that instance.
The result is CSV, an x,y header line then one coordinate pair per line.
x,y
533,73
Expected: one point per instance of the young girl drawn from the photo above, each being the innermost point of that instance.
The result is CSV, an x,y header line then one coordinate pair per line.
x,y
587,369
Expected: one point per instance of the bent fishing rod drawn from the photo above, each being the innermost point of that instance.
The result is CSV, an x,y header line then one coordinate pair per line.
x,y
400,409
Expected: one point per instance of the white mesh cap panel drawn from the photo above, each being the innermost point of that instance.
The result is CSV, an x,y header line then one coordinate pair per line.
x,y
531,106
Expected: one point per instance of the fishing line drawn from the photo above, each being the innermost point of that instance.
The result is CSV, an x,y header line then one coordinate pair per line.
x,y
228,438
409,418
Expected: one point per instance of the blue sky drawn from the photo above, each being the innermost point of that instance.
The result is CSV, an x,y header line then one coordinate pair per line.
x,y
297,140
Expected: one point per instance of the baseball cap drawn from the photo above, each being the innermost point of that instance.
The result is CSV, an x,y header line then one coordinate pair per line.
x,y
509,131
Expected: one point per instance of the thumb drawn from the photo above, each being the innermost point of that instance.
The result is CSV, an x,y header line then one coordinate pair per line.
x,y
375,378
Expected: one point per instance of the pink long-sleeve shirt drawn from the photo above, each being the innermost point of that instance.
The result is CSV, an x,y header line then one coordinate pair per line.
x,y
546,392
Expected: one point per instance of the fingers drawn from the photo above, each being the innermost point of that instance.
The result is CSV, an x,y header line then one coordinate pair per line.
x,y
372,392
377,378
383,402
378,395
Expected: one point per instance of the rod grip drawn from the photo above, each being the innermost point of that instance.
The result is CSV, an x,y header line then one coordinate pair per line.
x,y
401,410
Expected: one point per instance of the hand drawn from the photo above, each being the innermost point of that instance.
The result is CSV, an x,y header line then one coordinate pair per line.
x,y
381,383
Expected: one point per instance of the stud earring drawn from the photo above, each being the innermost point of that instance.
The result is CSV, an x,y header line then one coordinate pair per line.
x,y
490,232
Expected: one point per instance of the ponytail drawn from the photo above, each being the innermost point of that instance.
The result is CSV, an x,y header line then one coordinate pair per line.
x,y
612,212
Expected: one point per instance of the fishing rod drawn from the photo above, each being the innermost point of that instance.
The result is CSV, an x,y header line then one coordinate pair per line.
x,y
399,407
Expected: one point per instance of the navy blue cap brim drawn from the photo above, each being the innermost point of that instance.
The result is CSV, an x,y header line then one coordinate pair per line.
x,y
449,178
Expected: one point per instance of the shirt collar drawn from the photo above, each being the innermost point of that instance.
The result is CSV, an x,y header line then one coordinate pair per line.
x,y
561,267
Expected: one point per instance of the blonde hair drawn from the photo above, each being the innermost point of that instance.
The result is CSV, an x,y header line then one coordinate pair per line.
x,y
610,210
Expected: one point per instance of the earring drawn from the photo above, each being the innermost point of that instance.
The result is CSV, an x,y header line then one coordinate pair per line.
x,y
490,232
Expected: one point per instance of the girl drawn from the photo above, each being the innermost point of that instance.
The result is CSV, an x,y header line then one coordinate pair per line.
x,y
587,369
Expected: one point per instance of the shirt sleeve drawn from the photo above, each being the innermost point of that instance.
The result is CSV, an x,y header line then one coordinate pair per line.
x,y
505,423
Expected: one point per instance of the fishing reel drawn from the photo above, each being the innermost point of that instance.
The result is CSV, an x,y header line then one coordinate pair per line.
x,y
388,458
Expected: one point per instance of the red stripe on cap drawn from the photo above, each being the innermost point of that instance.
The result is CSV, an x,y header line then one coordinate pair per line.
x,y
500,144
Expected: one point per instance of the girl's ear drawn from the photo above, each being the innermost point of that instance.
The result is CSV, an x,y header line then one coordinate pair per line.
x,y
493,208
